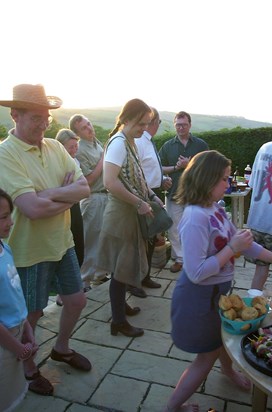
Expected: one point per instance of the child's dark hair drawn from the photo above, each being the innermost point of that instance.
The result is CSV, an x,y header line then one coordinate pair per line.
x,y
4,195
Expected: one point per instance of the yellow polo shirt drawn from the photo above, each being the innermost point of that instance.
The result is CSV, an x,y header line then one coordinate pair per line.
x,y
26,168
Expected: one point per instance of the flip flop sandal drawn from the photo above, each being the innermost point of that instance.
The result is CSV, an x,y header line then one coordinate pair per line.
x,y
39,384
73,359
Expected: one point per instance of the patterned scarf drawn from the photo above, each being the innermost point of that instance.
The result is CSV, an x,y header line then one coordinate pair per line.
x,y
131,173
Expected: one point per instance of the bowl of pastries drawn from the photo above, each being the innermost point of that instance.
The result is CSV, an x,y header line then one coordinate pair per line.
x,y
242,315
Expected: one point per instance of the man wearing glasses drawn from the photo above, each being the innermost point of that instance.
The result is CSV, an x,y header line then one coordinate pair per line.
x,y
175,155
44,182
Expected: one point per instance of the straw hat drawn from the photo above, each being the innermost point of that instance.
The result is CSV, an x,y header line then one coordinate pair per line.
x,y
31,96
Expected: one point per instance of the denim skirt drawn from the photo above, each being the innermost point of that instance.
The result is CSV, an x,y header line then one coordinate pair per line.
x,y
196,324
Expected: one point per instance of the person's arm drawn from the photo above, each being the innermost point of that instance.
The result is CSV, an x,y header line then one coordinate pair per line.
x,y
20,350
51,202
196,238
265,255
239,242
166,167
166,182
35,207
69,192
116,187
96,173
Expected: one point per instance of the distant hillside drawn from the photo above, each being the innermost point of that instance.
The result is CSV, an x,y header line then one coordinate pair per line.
x,y
105,117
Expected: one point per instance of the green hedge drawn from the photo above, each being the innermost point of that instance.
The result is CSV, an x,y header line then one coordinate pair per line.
x,y
239,145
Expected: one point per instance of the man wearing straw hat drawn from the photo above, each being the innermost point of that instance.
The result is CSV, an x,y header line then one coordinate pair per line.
x,y
44,182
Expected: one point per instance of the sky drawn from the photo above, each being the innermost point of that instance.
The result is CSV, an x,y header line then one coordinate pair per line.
x,y
202,56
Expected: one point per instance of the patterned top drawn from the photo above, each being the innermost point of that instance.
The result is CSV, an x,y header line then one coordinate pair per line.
x,y
12,302
261,198
204,232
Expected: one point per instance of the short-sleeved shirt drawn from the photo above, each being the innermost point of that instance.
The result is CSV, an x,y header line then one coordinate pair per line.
x,y
120,153
170,152
88,155
24,169
149,160
12,302
260,211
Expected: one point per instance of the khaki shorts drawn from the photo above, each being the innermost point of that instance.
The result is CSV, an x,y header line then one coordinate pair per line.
x,y
263,239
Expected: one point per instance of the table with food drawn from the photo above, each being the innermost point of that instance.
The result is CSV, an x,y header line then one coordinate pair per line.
x,y
247,337
238,205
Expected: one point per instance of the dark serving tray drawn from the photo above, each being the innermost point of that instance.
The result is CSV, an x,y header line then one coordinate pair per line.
x,y
250,356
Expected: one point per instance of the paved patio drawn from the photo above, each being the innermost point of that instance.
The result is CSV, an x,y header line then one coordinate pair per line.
x,y
129,375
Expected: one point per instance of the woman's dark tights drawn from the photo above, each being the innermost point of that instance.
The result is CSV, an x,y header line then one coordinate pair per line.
x,y
118,300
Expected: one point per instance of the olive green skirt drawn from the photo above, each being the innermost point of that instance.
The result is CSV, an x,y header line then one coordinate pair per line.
x,y
121,247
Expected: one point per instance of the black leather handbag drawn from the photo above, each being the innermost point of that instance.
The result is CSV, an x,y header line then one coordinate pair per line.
x,y
151,226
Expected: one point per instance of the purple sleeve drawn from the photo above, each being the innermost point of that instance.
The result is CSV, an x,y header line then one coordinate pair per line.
x,y
194,235
253,251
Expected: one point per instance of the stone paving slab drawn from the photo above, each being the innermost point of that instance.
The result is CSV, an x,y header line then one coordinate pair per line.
x,y
149,368
129,375
33,403
157,343
131,391
77,386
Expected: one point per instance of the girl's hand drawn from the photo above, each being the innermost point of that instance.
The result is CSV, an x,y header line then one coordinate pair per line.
x,y
242,240
25,352
158,200
29,338
144,208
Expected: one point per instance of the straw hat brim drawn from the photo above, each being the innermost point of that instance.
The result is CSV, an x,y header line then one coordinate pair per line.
x,y
53,102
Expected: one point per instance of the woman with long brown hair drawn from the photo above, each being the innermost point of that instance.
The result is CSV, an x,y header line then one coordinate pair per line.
x,y
122,249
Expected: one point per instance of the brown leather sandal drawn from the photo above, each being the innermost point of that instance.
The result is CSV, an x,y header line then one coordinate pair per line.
x,y
73,359
39,384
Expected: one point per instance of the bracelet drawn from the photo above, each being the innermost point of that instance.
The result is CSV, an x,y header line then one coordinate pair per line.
x,y
232,248
152,196
139,204
174,168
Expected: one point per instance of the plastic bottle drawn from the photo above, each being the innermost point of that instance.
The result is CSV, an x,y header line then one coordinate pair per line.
x,y
247,174
236,174
234,180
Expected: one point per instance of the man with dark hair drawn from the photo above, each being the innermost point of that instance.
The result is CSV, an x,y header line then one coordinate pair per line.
x,y
175,155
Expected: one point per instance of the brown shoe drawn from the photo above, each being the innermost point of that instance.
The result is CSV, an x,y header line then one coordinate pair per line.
x,y
39,384
139,292
73,359
176,267
132,311
149,283
126,329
